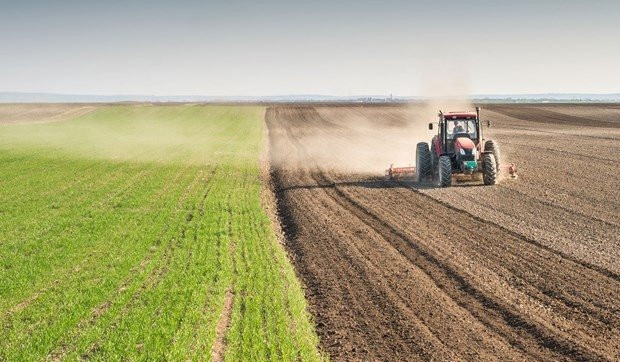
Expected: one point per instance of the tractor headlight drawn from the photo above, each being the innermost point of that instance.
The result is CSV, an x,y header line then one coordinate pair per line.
x,y
473,152
462,152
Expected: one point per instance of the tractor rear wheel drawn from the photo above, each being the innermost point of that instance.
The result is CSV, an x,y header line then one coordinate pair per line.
x,y
490,169
445,171
422,161
491,147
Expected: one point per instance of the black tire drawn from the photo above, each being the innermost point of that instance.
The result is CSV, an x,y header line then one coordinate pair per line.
x,y
490,169
491,147
422,161
445,171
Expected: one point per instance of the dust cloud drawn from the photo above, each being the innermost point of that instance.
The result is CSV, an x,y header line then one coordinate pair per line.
x,y
357,139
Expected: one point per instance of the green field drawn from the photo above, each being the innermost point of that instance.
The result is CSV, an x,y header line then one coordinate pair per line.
x,y
125,232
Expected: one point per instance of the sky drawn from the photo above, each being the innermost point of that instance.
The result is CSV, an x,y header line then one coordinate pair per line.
x,y
270,47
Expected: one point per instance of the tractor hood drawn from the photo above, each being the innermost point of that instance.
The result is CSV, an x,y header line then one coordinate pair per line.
x,y
464,143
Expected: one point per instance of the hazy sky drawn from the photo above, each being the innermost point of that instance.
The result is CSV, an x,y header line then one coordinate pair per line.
x,y
167,47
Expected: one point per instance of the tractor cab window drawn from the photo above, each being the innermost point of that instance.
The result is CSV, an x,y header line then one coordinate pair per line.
x,y
461,126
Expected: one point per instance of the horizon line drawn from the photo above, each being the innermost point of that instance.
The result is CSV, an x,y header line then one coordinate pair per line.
x,y
366,95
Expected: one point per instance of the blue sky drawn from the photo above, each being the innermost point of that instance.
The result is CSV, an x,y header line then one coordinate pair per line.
x,y
321,47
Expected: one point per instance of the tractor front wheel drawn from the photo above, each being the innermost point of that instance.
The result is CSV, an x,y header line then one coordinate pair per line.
x,y
445,171
490,169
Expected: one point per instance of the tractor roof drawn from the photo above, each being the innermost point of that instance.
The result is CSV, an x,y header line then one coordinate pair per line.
x,y
460,115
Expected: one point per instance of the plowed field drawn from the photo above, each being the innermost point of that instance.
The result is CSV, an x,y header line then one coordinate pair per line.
x,y
523,270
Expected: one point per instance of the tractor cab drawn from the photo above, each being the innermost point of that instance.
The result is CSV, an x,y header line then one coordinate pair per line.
x,y
461,128
452,127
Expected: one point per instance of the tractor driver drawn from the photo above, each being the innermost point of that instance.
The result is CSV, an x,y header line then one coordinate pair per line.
x,y
458,128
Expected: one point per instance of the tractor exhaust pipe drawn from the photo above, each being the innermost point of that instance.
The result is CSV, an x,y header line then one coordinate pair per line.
x,y
479,124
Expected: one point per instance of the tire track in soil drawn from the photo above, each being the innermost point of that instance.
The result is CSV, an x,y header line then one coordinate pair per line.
x,y
336,320
218,349
219,346
552,283
390,274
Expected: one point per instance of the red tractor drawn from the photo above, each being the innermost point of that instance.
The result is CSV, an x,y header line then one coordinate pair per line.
x,y
459,150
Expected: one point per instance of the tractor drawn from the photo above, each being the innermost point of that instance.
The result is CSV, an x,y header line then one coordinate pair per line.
x,y
459,151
